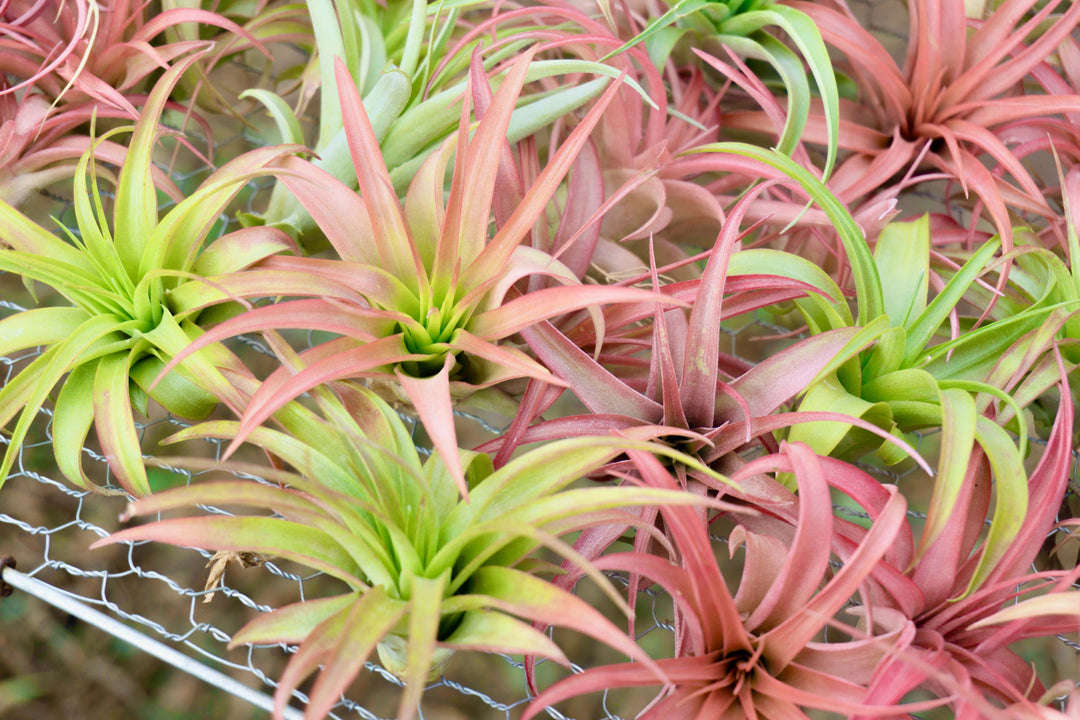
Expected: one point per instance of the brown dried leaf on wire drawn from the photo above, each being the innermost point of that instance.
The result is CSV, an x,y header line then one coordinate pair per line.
x,y
220,562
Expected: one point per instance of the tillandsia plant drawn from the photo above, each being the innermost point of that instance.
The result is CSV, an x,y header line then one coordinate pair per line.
x,y
902,380
437,294
62,66
427,572
39,145
123,322
752,653
685,388
963,91
92,50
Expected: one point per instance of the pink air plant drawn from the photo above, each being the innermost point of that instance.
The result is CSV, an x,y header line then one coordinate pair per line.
x,y
752,653
40,145
704,400
68,63
963,90
101,51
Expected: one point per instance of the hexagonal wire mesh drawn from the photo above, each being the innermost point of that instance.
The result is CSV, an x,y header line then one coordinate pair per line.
x,y
154,589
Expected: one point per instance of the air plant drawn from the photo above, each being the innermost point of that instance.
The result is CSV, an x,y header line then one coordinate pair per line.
x,y
122,323
964,87
705,401
427,572
97,51
64,66
437,296
903,380
751,653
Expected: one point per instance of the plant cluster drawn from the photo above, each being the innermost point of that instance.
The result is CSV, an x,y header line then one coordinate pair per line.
x,y
560,213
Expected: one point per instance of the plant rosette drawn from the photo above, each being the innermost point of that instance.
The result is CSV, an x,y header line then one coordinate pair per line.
x,y
967,618
752,653
686,387
122,324
969,101
428,571
437,298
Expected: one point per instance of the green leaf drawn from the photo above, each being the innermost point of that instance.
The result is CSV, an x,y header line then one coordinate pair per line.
x,y
1011,497
170,339
75,282
974,354
887,355
135,216
115,425
929,320
287,124
903,252
425,612
906,384
828,395
531,598
325,23
72,418
492,631
804,33
864,271
1066,604
789,66
176,241
32,386
676,12
24,235
97,242
39,326
179,396
292,541
765,261
292,623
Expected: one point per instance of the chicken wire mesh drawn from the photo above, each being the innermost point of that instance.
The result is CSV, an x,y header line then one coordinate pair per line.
x,y
159,590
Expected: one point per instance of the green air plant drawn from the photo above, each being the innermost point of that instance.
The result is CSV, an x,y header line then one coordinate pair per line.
x,y
437,292
123,323
746,28
427,572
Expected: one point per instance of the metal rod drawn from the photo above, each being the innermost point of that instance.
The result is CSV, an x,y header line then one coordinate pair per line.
x,y
58,599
